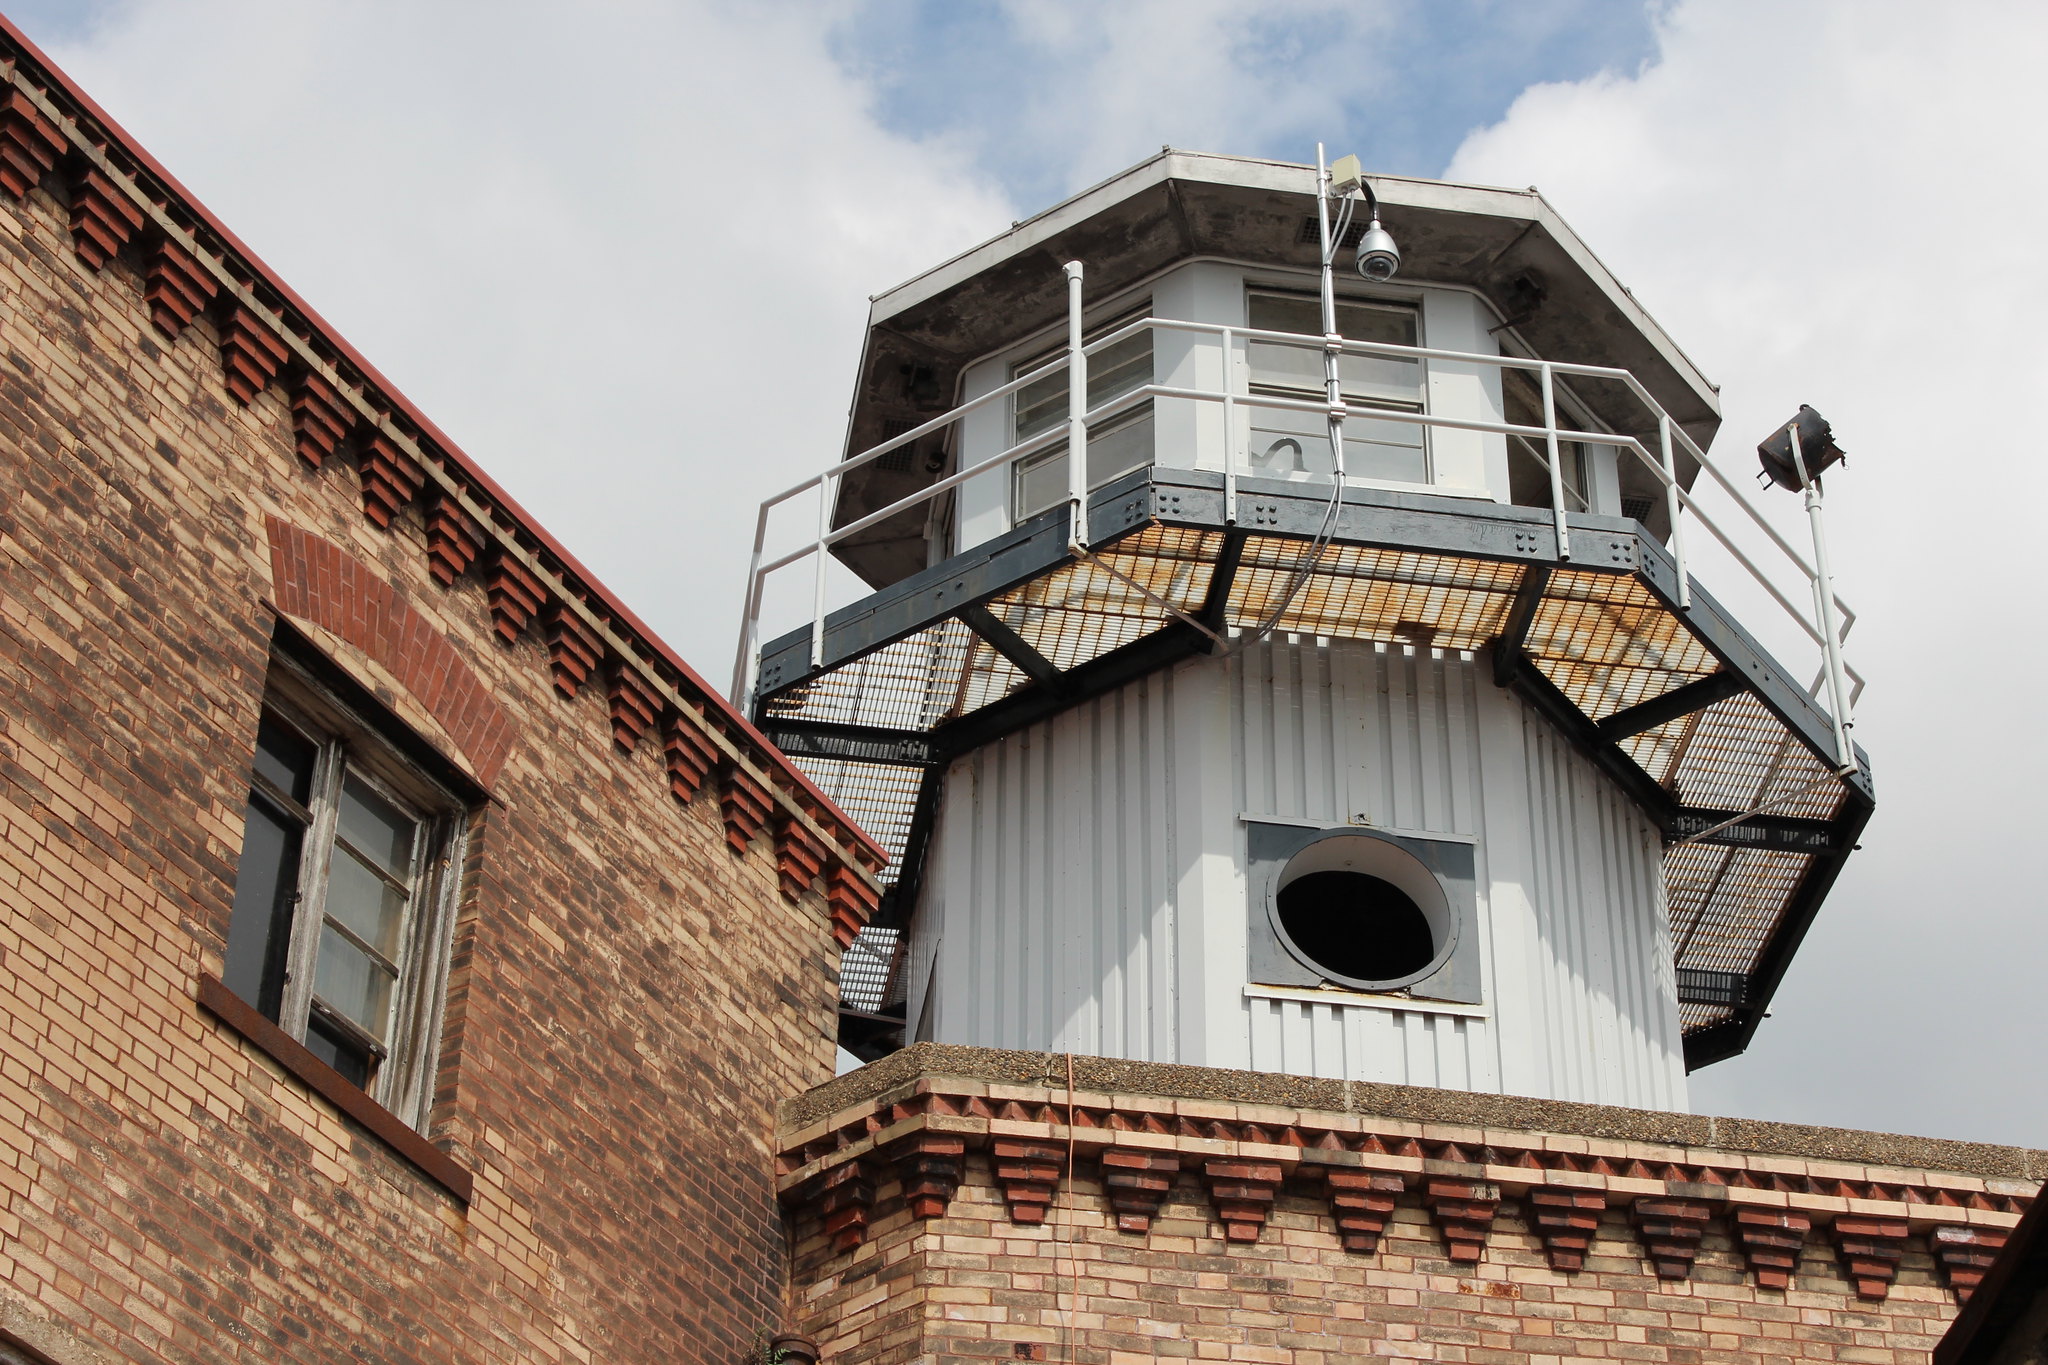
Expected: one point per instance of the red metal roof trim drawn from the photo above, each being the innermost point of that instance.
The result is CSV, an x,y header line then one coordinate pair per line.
x,y
59,85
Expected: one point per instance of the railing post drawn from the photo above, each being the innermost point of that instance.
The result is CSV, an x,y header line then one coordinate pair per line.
x,y
750,618
1824,600
1229,427
1564,540
818,576
1672,505
1077,424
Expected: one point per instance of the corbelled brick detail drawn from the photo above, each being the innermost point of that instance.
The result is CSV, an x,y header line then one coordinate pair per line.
x,y
516,596
1028,1174
573,650
851,900
175,286
929,1167
633,704
1464,1211
103,220
1771,1240
29,144
1361,1202
798,858
843,1198
1137,1181
1242,1194
743,804
454,540
1965,1254
1565,1218
251,354
690,756
320,419
316,580
391,480
1671,1231
1870,1249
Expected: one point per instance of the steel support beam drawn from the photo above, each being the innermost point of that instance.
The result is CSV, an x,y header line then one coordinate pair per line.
x,y
1012,646
1679,701
1508,659
860,743
1215,612
1778,833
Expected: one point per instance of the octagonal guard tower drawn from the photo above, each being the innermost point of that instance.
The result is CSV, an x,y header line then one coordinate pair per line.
x,y
1347,709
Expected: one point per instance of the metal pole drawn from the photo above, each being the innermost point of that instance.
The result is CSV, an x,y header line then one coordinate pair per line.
x,y
1824,599
1077,426
1671,505
1564,540
1333,341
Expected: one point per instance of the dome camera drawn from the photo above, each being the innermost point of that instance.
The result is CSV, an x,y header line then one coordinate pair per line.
x,y
1378,257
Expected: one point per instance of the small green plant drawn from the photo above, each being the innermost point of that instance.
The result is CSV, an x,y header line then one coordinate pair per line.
x,y
766,1352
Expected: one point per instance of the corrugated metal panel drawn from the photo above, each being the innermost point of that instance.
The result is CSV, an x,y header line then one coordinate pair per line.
x,y
1084,895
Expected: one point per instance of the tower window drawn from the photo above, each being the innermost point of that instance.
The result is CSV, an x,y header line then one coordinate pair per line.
x,y
344,892
1363,912
1357,926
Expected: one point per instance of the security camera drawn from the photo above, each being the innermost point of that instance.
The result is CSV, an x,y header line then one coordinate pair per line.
x,y
1378,257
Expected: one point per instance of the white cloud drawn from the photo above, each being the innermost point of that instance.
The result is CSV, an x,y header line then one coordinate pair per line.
x,y
623,260
1839,202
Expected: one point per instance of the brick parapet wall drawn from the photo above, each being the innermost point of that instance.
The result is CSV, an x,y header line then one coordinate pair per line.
x,y
635,985
949,1209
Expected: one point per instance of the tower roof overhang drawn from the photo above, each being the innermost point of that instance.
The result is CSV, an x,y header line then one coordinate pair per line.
x,y
1509,246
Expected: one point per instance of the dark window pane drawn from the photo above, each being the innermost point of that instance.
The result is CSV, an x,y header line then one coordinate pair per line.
x,y
286,758
328,1044
266,891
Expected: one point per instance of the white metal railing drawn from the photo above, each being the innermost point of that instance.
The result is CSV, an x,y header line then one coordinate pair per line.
x,y
1660,462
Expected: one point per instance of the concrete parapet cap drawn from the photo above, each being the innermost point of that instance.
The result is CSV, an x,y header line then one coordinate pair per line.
x,y
1407,1111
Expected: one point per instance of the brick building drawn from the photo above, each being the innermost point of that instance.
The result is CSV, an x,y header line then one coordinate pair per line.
x,y
475,1055
405,957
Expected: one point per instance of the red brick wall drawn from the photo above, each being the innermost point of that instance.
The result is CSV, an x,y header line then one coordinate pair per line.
x,y
630,1000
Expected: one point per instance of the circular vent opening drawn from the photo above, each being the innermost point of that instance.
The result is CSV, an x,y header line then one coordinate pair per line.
x,y
1363,912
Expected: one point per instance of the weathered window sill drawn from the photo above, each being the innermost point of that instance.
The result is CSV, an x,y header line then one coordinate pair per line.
x,y
323,1080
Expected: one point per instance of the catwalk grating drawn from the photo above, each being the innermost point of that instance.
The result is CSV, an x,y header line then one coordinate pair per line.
x,y
1604,634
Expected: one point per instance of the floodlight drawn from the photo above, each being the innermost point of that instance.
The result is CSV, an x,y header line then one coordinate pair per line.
x,y
1817,450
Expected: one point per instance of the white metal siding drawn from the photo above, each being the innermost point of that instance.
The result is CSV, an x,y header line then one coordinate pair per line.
x,y
1086,888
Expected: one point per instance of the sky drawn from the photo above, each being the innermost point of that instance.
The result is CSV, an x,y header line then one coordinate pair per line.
x,y
622,252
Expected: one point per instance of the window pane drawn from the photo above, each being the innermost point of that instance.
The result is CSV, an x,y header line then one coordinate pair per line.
x,y
345,1055
285,758
353,985
377,828
266,890
372,908
1127,365
1372,378
1042,481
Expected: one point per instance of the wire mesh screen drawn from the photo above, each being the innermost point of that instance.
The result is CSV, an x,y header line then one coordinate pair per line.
x,y
1609,645
1736,755
938,673
1725,903
1387,596
880,797
1085,610
867,969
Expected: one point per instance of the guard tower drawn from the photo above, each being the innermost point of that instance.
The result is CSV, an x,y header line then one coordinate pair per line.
x,y
1348,708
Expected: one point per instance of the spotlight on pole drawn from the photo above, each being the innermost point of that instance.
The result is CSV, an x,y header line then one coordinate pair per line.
x,y
1816,450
